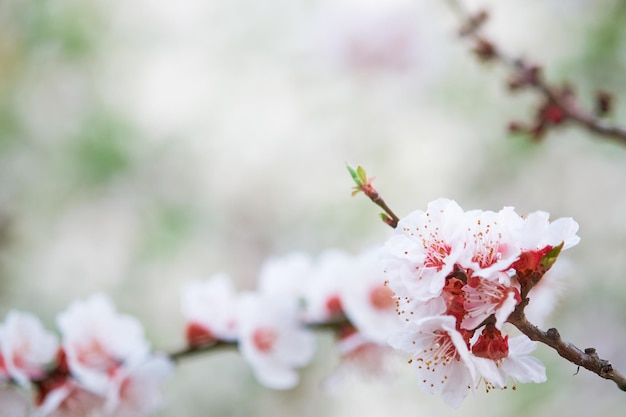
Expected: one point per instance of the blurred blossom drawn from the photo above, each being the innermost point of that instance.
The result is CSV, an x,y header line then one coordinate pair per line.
x,y
380,38
210,309
26,348
97,340
272,340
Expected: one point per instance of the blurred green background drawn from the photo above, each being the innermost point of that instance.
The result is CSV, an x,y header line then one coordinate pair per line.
x,y
143,144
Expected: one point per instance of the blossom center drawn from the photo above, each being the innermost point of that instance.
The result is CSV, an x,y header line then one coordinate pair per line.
x,y
264,339
381,298
436,253
440,352
334,306
198,335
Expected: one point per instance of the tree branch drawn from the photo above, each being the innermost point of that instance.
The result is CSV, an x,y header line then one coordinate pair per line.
x,y
560,104
588,358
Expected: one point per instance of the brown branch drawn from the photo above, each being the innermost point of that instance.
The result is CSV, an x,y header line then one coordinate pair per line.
x,y
195,350
391,219
364,184
560,101
588,358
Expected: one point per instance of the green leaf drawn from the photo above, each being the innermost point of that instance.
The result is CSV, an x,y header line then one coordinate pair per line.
x,y
355,175
362,174
550,258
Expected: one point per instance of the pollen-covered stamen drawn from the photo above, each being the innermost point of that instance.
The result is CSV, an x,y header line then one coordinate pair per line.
x,y
440,352
436,252
488,245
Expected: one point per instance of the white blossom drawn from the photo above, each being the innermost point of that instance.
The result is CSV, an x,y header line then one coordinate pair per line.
x,y
272,340
97,340
25,347
211,306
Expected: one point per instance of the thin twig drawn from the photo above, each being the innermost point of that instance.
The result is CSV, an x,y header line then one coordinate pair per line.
x,y
555,96
392,220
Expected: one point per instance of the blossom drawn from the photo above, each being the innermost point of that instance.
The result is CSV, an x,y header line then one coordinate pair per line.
x,y
97,341
368,302
272,340
519,365
360,356
457,277
68,398
25,347
210,309
322,294
315,283
491,246
536,232
425,249
440,357
484,297
135,389
499,358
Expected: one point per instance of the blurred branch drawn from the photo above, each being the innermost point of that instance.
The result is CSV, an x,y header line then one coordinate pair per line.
x,y
559,102
195,350
588,358
210,344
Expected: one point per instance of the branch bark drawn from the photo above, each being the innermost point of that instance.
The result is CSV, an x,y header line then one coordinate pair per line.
x,y
588,358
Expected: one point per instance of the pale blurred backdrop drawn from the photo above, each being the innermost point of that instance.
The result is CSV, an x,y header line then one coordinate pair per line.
x,y
146,143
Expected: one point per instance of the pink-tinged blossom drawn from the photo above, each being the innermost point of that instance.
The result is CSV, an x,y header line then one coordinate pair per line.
x,y
361,357
535,232
484,297
491,247
315,283
13,403
368,302
70,399
409,309
425,249
210,309
499,358
272,340
440,357
26,348
97,340
519,365
136,390
322,288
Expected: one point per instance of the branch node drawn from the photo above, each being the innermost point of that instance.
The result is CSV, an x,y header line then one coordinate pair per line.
x,y
553,334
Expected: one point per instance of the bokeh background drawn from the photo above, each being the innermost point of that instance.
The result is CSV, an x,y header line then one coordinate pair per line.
x,y
146,143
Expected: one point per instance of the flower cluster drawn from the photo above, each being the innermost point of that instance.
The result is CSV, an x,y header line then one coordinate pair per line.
x,y
273,326
457,277
442,290
102,365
